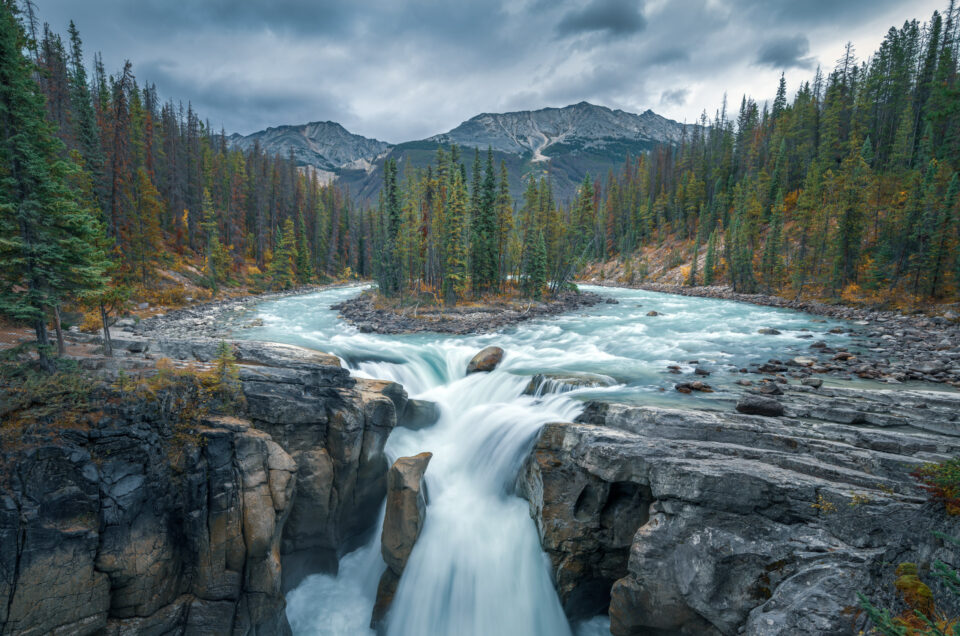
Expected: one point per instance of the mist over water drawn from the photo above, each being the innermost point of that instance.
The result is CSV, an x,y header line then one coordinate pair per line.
x,y
477,568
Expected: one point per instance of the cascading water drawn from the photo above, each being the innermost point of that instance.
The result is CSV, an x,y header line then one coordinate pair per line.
x,y
477,568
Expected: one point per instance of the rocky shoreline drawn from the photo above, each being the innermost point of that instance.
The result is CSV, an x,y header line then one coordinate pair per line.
x,y
887,346
213,319
363,313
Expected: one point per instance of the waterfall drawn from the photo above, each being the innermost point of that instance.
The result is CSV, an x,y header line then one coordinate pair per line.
x,y
477,568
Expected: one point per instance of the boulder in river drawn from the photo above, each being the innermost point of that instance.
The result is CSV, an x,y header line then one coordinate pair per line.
x,y
419,414
768,331
486,360
406,510
759,405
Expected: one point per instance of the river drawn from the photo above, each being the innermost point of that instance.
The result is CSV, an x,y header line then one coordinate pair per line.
x,y
477,568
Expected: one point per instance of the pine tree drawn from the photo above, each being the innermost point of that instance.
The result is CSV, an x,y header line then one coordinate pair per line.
x,y
303,261
48,241
772,260
282,272
216,259
538,268
455,244
504,210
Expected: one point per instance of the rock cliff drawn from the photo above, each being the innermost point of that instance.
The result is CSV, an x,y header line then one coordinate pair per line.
x,y
131,522
686,522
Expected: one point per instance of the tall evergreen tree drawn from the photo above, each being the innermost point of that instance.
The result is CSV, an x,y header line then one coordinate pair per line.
x,y
48,241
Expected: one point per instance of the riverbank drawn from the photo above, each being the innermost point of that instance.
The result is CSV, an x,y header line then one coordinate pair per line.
x,y
213,319
485,316
888,346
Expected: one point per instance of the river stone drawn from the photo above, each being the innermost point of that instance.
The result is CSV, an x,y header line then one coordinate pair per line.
x,y
768,331
486,360
759,405
419,414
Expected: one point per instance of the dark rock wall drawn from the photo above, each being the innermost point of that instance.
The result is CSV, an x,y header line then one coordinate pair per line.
x,y
139,526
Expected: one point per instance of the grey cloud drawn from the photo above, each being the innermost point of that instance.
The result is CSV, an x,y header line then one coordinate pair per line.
x,y
676,97
406,69
786,52
616,17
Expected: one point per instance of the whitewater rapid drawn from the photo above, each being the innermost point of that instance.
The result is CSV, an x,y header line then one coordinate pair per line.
x,y
477,568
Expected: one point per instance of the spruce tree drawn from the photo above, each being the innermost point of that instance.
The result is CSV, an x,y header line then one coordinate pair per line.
x,y
303,263
282,272
455,244
48,241
538,268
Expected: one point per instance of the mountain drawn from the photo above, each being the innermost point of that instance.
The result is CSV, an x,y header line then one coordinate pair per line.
x,y
566,143
324,145
552,131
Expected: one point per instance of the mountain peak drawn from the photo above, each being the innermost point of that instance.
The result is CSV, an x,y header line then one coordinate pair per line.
x,y
325,145
581,125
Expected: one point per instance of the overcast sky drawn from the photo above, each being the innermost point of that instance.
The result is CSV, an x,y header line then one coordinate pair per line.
x,y
400,70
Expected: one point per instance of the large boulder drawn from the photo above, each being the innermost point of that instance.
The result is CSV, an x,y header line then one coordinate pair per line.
x,y
759,405
405,511
486,360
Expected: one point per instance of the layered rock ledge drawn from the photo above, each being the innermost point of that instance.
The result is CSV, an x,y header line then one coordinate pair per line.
x,y
133,523
686,522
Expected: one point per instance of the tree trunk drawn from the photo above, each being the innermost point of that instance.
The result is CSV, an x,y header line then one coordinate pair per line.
x,y
61,347
43,346
107,345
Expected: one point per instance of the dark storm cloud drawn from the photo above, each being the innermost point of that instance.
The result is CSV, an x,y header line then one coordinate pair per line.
x,y
406,69
784,53
616,17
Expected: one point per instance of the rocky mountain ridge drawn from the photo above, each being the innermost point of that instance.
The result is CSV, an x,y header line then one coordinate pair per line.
x,y
324,145
567,143
581,125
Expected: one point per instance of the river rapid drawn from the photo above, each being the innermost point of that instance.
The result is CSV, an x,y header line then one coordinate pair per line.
x,y
477,568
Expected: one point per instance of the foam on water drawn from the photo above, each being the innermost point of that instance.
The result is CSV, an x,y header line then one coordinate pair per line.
x,y
477,568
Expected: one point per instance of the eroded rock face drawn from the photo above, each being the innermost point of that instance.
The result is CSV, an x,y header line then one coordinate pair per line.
x,y
486,360
137,526
405,511
124,530
333,426
722,523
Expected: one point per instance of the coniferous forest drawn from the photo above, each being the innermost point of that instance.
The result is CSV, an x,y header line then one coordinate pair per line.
x,y
849,188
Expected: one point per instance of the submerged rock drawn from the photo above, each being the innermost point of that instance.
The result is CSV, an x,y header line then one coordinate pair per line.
x,y
405,511
543,383
485,361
